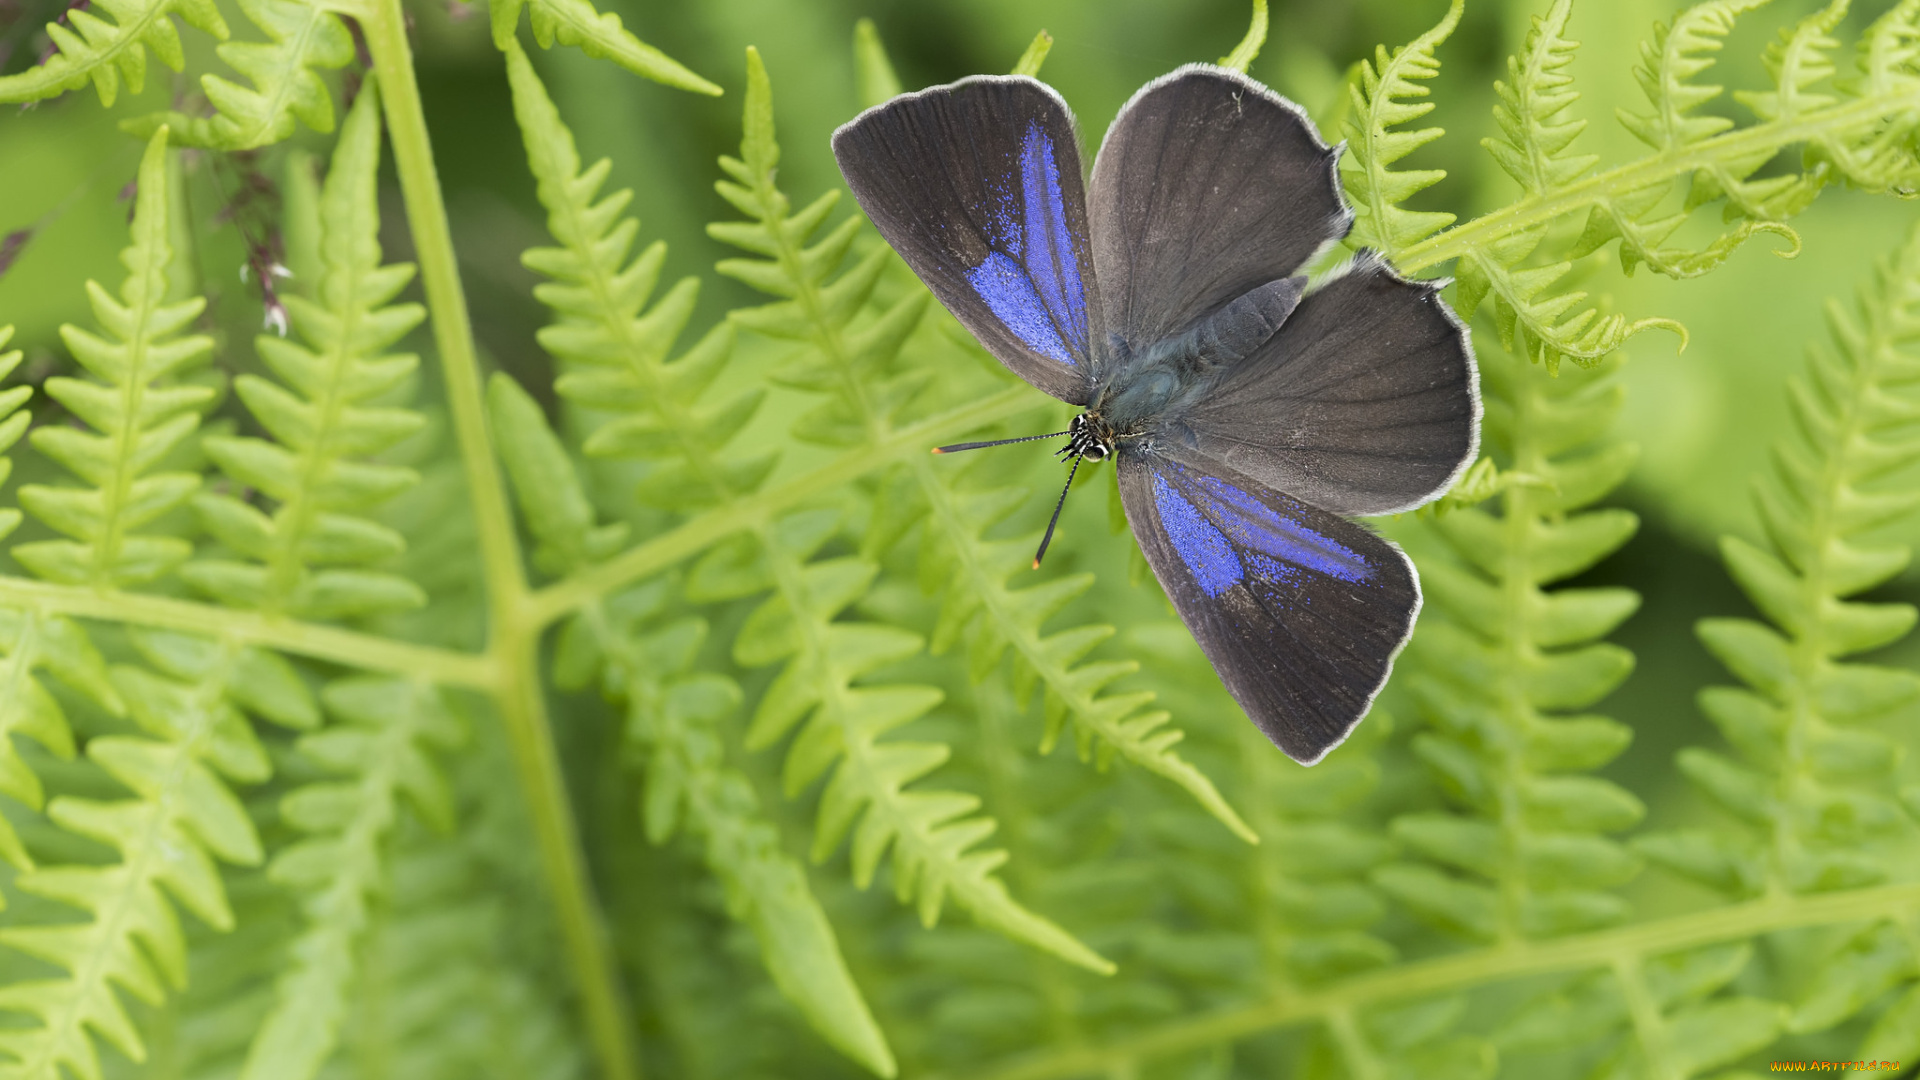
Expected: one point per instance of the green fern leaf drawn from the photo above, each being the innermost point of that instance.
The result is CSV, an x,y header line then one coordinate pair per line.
x,y
1498,661
137,405
601,36
1311,908
29,640
337,405
674,715
1379,104
871,66
1034,55
1244,53
32,640
381,747
1814,781
1536,135
91,49
13,423
302,36
1676,55
615,347
1799,60
181,818
617,355
440,992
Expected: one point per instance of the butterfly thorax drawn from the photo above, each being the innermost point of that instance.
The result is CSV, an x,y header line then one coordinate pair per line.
x,y
1146,387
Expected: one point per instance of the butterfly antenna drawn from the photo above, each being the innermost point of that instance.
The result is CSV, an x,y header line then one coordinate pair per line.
x,y
1055,520
957,447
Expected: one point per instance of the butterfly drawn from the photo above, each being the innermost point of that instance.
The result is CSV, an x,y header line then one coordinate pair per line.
x,y
1248,414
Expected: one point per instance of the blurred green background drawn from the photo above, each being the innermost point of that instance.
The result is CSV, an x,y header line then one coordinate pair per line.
x,y
1703,417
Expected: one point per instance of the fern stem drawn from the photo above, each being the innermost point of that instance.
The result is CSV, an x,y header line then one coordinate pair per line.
x,y
1362,1062
1648,1026
513,634
448,667
523,707
1452,974
702,531
385,25
1740,144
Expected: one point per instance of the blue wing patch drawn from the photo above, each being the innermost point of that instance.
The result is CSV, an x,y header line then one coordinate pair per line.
x,y
1222,533
1032,284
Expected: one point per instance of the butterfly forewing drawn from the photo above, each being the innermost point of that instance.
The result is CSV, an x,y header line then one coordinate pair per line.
x,y
1300,611
1364,402
978,186
1208,185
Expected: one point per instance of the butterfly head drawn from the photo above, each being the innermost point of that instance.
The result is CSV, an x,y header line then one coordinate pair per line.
x,y
1088,436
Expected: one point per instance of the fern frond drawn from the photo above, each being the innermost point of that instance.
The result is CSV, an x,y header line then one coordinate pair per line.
x,y
1312,910
577,23
302,36
181,818
13,424
1034,55
1244,53
1496,664
1677,54
978,603
1860,131
1812,781
614,347
381,745
872,68
1799,60
139,407
30,641
1670,62
674,712
798,262
1536,133
336,406
1379,104
440,993
95,50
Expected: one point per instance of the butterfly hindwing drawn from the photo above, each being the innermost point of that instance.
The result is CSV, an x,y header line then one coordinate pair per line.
x,y
1300,611
978,186
1207,186
1365,401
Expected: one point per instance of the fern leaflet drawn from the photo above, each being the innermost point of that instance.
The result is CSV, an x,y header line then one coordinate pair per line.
x,y
139,409
103,53
1806,784
1375,190
1501,657
674,712
577,23
181,818
303,35
308,557
381,748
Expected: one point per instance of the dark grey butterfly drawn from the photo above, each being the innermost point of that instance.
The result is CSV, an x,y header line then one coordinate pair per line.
x,y
1246,412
